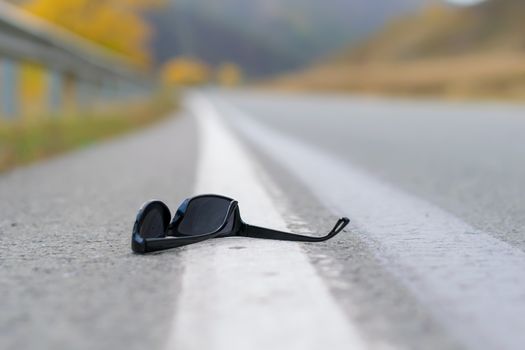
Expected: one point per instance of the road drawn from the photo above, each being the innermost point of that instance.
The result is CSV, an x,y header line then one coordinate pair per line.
x,y
433,259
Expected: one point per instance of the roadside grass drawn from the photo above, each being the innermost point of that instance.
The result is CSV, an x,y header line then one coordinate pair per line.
x,y
488,76
30,139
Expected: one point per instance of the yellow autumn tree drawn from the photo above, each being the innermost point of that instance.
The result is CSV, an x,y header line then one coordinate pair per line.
x,y
229,74
114,24
185,71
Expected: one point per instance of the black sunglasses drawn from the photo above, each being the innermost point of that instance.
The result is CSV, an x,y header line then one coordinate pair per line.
x,y
200,218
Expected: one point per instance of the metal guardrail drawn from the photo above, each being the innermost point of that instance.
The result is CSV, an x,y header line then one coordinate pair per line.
x,y
70,62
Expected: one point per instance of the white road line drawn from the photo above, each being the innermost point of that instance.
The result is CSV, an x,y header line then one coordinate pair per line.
x,y
474,283
240,293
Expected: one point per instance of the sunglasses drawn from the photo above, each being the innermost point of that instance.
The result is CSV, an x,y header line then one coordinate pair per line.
x,y
200,218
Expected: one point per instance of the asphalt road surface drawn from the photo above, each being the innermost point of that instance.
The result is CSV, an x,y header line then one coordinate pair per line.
x,y
433,259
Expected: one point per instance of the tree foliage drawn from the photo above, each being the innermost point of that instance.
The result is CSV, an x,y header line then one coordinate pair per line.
x,y
229,74
114,24
185,71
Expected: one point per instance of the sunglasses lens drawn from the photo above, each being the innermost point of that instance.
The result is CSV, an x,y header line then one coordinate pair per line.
x,y
154,220
204,215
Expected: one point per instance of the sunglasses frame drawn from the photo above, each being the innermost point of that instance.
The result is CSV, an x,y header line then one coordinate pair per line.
x,y
171,237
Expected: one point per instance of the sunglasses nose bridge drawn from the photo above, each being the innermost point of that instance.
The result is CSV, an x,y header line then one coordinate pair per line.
x,y
179,214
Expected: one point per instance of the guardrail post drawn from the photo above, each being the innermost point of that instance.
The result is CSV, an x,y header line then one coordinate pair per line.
x,y
82,93
55,88
109,90
9,87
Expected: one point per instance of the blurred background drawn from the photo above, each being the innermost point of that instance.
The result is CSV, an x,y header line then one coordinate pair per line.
x,y
81,70
444,125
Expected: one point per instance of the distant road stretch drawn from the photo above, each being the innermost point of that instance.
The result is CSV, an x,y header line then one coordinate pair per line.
x,y
434,257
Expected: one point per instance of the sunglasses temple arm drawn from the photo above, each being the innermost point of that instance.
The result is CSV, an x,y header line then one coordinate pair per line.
x,y
261,232
147,245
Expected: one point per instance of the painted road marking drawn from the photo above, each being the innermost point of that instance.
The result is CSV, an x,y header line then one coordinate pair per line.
x,y
240,293
473,282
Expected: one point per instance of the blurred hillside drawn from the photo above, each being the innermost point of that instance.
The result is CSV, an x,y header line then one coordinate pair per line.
x,y
474,51
267,36
442,30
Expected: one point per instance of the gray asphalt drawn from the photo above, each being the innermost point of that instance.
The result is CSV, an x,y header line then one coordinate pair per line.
x,y
68,279
466,158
